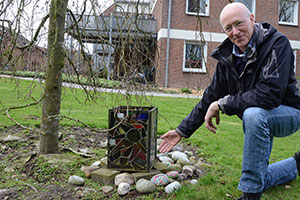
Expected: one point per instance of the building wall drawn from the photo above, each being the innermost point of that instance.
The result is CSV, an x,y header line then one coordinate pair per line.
x,y
185,26
29,59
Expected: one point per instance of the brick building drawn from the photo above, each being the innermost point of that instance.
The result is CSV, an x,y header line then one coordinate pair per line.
x,y
186,38
12,58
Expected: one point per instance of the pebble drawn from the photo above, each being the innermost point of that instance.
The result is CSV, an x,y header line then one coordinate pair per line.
x,y
174,167
187,171
182,177
106,189
160,179
192,167
145,186
165,159
177,147
177,154
123,188
194,181
124,177
193,160
76,180
183,161
172,187
199,172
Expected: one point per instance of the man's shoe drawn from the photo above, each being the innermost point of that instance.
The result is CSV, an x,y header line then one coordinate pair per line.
x,y
250,196
297,158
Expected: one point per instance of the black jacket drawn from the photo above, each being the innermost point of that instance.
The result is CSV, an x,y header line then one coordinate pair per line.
x,y
267,81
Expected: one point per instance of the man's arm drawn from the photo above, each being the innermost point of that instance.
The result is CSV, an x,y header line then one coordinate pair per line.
x,y
216,90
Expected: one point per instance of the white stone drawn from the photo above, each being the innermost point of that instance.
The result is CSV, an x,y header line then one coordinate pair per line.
x,y
125,178
165,159
194,181
76,180
172,187
145,186
123,188
177,154
11,138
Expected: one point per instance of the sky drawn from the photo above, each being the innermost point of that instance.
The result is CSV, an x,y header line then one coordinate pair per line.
x,y
35,10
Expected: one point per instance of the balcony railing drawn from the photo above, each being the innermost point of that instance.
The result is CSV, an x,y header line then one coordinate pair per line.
x,y
93,27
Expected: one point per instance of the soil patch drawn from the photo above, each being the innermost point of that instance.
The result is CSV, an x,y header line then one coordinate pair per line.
x,y
31,177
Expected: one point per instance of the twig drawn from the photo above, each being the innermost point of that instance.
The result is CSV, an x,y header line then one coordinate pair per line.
x,y
24,106
33,188
93,129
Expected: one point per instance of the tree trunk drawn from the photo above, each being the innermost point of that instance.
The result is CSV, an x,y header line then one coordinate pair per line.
x,y
53,78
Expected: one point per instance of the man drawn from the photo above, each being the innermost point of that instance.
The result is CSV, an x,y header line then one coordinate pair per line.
x,y
255,80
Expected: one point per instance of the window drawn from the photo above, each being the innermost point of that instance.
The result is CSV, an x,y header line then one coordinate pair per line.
x,y
288,12
197,7
194,57
250,4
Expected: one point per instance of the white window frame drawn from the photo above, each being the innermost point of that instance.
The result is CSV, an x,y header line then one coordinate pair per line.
x,y
194,13
204,60
295,23
253,7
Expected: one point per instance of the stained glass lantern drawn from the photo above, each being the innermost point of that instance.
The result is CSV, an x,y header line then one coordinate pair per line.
x,y
132,138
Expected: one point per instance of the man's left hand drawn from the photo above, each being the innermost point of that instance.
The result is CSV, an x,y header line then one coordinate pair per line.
x,y
212,112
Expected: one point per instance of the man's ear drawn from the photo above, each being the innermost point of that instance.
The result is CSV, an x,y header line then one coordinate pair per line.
x,y
252,19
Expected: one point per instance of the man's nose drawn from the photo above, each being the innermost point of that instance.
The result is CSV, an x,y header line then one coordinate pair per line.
x,y
235,30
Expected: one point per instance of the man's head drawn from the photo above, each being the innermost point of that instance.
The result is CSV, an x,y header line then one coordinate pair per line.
x,y
238,23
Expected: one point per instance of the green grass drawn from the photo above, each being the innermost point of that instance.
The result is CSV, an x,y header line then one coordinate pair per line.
x,y
223,149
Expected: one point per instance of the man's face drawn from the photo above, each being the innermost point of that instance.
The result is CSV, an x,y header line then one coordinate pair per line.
x,y
238,25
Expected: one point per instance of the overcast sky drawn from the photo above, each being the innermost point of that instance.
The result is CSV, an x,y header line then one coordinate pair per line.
x,y
35,10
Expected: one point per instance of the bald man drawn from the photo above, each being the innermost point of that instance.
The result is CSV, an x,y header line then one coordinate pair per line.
x,y
254,80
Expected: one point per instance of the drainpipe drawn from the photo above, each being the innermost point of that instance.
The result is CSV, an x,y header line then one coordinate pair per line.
x,y
168,44
110,47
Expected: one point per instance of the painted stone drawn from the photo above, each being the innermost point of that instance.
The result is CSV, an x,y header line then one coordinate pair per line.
x,y
173,174
160,179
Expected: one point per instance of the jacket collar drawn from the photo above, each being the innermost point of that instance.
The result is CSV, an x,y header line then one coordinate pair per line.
x,y
262,31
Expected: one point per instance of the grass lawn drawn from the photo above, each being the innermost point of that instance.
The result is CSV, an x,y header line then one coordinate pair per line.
x,y
223,149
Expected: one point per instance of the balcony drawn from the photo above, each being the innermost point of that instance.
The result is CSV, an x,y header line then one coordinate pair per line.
x,y
98,29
